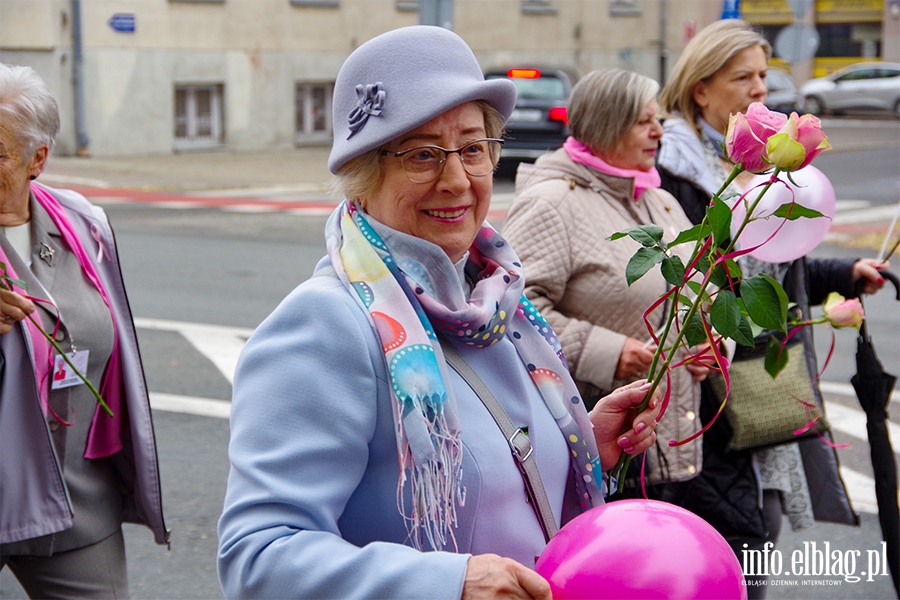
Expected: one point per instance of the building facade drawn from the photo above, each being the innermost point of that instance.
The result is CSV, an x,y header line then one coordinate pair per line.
x,y
162,76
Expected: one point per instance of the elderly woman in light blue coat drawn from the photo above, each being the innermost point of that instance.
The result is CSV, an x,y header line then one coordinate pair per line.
x,y
362,464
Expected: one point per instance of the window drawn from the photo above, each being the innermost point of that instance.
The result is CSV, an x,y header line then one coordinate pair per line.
x,y
198,116
624,7
320,3
539,6
208,1
859,75
312,102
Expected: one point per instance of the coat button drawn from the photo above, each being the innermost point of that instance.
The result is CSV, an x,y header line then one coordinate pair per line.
x,y
690,416
691,469
54,424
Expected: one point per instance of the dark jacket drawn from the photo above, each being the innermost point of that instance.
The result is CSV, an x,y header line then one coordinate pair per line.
x,y
726,492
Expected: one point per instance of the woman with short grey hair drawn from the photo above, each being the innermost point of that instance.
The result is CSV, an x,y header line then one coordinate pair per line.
x,y
72,470
619,96
567,203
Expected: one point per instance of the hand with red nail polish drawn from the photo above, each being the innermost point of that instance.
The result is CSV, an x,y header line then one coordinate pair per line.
x,y
618,429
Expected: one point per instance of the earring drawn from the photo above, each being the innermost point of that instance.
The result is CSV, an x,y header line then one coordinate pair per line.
x,y
32,177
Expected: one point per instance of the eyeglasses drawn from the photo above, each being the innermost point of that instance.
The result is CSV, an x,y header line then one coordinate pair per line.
x,y
426,163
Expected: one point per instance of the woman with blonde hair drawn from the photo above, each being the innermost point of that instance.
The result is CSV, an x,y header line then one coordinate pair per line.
x,y
567,203
743,493
371,451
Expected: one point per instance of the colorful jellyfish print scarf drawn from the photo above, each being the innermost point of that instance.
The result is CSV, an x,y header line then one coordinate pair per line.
x,y
407,318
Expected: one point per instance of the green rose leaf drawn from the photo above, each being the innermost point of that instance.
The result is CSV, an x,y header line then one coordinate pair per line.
x,y
697,289
765,302
694,333
795,211
776,358
744,334
720,220
641,262
673,270
725,314
646,235
703,264
688,235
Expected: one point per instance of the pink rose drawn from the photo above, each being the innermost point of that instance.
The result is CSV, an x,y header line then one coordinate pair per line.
x,y
797,143
746,137
810,135
843,313
783,150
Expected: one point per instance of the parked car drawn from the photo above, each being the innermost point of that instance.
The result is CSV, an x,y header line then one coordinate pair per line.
x,y
783,94
859,86
539,123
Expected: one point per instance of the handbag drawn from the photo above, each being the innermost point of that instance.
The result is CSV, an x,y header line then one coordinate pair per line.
x,y
763,411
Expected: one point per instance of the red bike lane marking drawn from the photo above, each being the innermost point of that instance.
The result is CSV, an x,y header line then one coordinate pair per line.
x,y
189,201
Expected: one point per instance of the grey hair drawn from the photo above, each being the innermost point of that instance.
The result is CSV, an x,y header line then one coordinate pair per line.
x,y
363,175
702,58
605,104
26,104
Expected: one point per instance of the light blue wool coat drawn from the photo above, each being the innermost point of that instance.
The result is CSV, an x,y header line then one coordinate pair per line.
x,y
311,508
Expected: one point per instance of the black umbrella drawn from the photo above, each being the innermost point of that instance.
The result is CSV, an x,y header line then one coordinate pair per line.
x,y
873,388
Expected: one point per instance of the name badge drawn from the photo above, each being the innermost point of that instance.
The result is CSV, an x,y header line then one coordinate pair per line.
x,y
63,375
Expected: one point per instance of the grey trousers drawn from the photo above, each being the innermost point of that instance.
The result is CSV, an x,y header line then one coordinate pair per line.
x,y
95,571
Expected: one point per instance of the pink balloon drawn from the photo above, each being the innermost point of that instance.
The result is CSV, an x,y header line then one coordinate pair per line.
x,y
640,549
795,238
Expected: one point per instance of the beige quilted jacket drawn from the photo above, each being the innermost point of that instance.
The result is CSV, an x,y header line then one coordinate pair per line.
x,y
558,224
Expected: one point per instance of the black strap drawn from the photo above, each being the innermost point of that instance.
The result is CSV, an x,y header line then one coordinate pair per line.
x,y
519,443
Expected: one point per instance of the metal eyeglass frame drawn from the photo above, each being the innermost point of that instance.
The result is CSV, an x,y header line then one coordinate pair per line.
x,y
447,153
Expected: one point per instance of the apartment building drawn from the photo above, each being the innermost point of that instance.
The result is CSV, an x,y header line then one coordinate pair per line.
x,y
139,77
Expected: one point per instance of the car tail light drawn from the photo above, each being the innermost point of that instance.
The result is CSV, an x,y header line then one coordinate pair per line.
x,y
523,73
559,113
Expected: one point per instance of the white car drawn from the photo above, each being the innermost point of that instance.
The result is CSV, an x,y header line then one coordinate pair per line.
x,y
859,86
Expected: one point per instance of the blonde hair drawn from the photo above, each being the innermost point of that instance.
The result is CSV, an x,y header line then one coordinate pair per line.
x,y
363,175
702,58
605,104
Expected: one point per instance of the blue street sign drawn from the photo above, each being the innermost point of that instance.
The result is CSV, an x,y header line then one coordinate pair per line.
x,y
731,9
122,22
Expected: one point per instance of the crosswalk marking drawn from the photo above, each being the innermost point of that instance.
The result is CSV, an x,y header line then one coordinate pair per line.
x,y
222,345
852,421
861,489
190,405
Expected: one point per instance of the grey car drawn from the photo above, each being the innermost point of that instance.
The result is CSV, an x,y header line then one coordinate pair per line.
x,y
860,86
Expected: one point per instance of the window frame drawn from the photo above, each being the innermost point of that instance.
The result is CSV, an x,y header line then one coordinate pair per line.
x,y
217,117
309,135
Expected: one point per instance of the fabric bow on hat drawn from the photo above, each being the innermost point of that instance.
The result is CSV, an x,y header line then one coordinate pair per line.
x,y
369,100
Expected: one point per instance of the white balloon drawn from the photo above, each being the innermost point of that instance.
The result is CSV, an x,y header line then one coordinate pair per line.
x,y
795,238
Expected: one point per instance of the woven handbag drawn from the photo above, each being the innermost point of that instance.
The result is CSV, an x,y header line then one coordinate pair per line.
x,y
763,411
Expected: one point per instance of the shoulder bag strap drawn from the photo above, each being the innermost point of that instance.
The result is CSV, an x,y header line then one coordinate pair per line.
x,y
518,440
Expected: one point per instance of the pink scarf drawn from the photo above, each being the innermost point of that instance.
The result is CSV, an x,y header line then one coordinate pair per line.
x,y
105,436
583,155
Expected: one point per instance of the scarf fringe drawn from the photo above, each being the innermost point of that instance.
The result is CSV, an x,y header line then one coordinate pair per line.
x,y
436,490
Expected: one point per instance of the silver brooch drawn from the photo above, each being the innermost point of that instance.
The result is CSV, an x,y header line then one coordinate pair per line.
x,y
46,254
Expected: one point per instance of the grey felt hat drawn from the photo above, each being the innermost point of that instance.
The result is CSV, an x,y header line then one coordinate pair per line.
x,y
402,79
